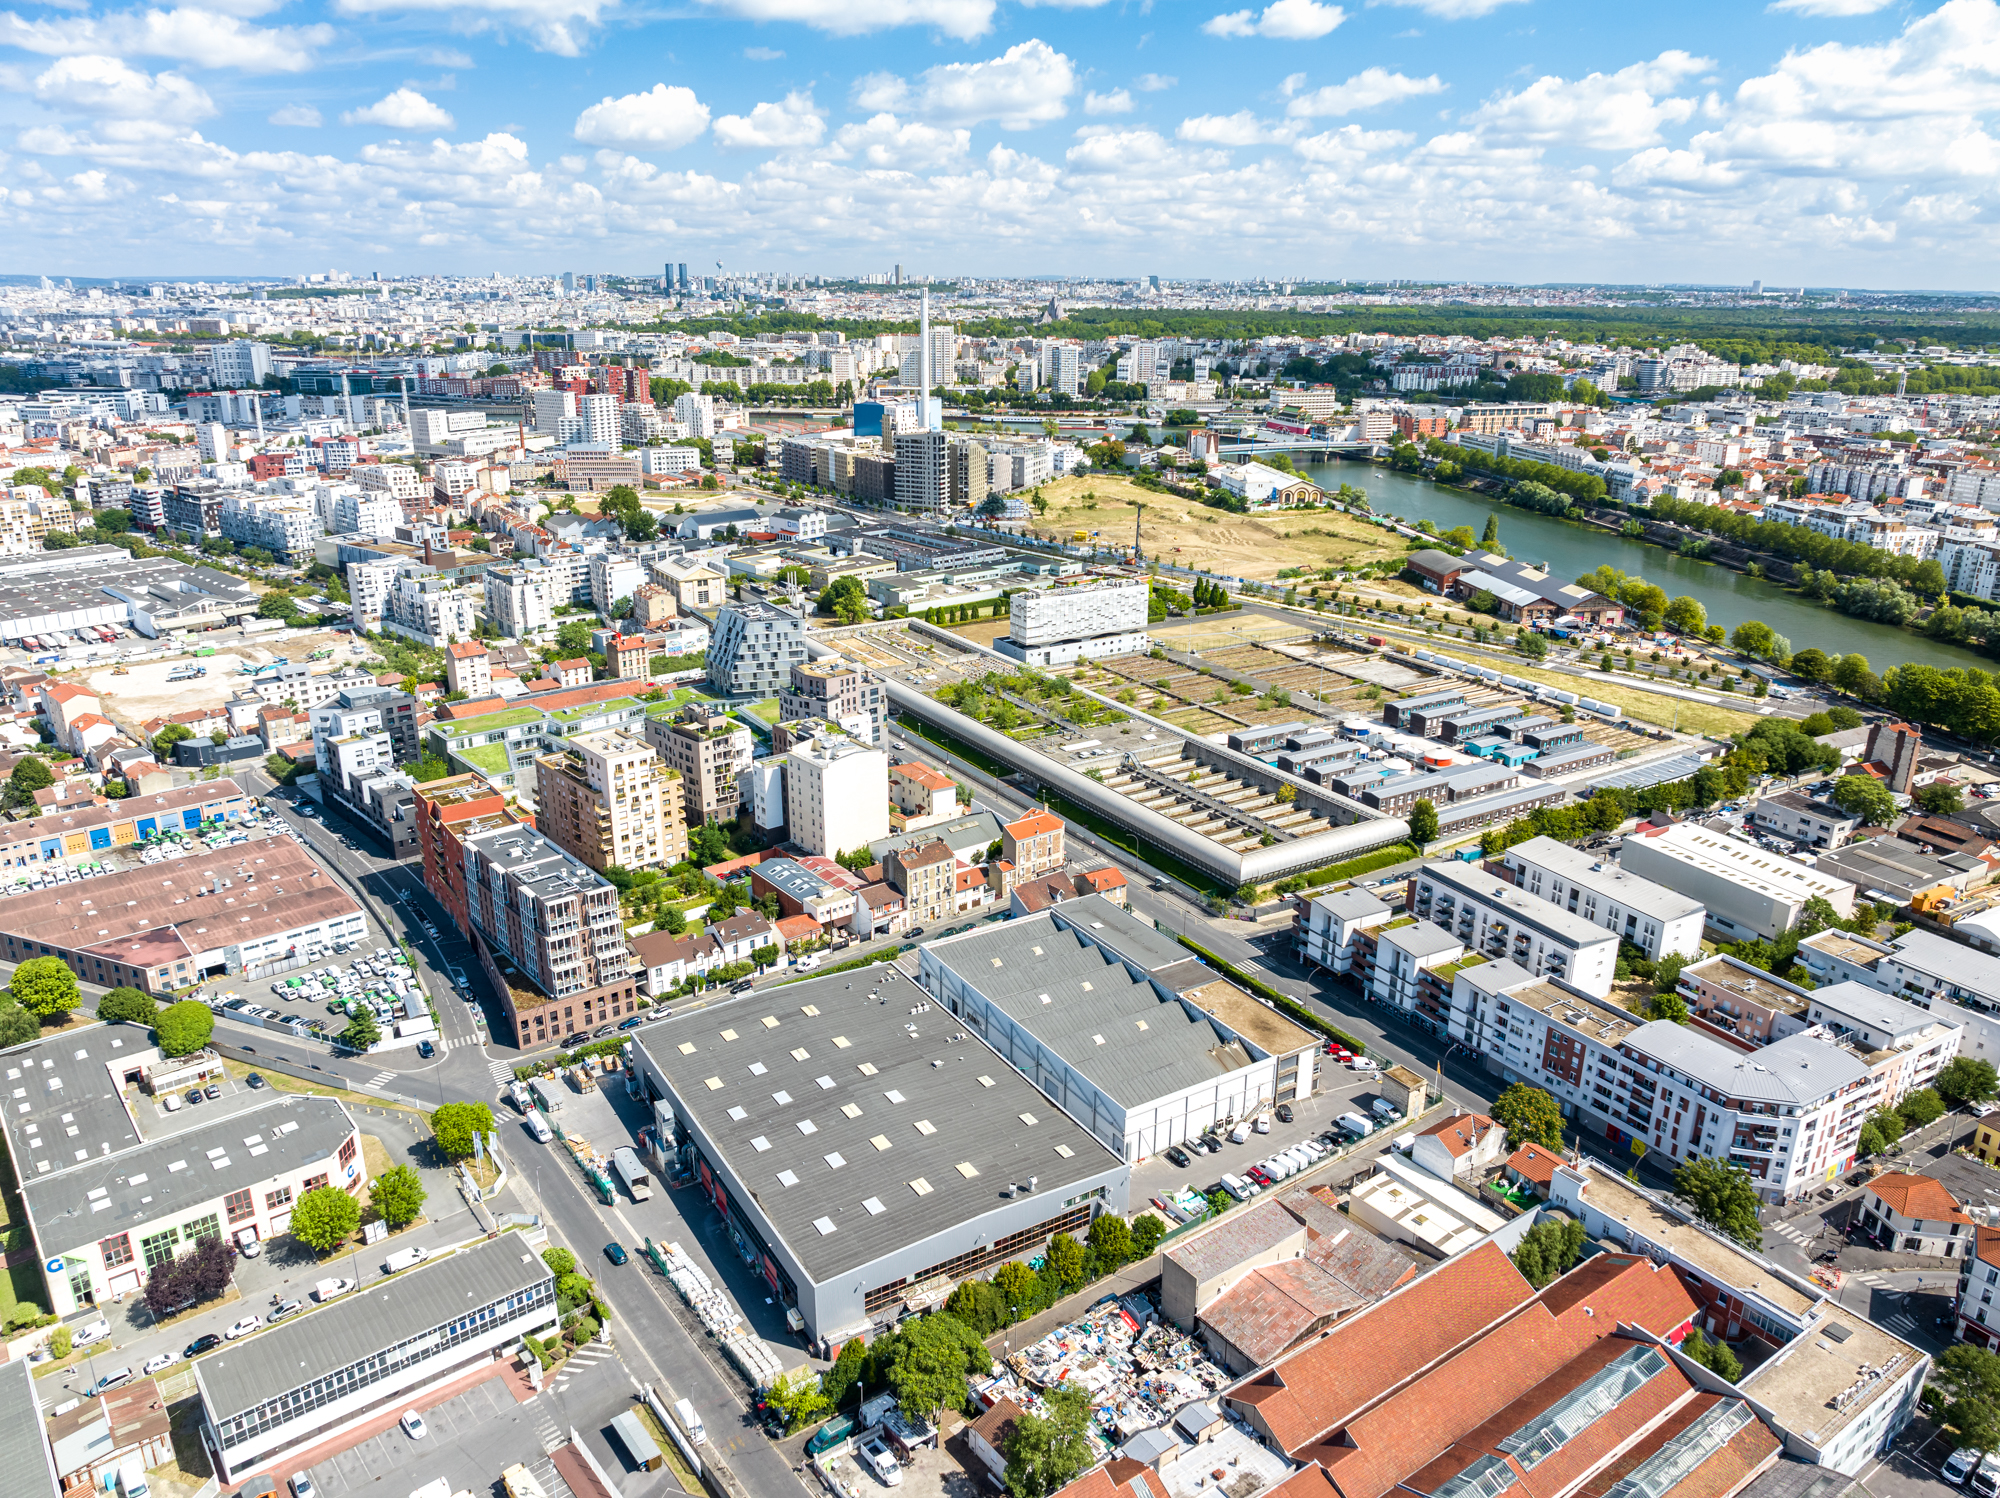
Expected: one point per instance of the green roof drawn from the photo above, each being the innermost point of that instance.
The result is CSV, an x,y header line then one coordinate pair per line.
x,y
489,760
513,717
595,709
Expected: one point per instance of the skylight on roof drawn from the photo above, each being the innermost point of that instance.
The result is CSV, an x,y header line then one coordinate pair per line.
x,y
807,1126
824,1224
874,1206
781,1097
866,1069
925,1126
834,1161
967,1169
760,1144
921,1186
825,1084
787,1179
687,1048
800,1053
809,1009
1066,1152
738,1114
893,1096
986,1081
728,1034
841,1042
713,1084
1029,1119
769,1022
757,1068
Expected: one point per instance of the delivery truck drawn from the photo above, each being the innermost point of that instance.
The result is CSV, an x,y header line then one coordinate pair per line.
x,y
632,1173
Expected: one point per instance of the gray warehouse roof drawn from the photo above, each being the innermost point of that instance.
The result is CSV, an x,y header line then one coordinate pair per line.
x,y
127,1189
1798,1069
927,1130
1086,1007
363,1322
23,1433
65,1083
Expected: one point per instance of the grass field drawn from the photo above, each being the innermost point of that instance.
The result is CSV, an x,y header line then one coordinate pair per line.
x,y
1196,535
1198,635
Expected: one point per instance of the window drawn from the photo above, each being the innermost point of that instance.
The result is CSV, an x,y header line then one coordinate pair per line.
x,y
241,1204
282,1197
347,1149
159,1248
116,1251
313,1183
202,1229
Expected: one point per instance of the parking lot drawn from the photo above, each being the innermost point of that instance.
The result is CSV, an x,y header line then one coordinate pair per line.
x,y
1337,1091
321,1000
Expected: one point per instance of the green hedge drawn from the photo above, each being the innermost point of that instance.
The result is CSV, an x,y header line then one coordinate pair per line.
x,y
888,954
1290,1007
1354,868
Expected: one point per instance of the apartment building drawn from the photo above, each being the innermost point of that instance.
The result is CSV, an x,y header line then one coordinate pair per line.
x,y
282,524
430,610
1497,920
921,796
468,669
926,877
1788,1114
1816,822
753,649
447,812
608,799
709,753
836,794
923,472
369,512
1034,844
547,928
614,576
1652,918
1750,894
1946,979
695,585
521,598
838,692
1325,927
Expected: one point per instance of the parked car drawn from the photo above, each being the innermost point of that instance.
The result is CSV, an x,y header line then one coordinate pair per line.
x,y
158,1361
207,1342
116,1378
615,1252
97,1331
287,1308
243,1328
1284,1113
1178,1156
426,1050
413,1425
254,1080
1959,1466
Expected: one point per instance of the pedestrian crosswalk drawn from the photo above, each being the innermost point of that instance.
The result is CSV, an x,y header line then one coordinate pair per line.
x,y
380,1079
1786,1230
1869,1279
502,1072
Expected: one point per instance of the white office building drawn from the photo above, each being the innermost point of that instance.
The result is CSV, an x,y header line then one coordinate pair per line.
x,y
1061,625
613,576
240,363
836,794
695,414
1750,894
600,418
552,409
1653,918
429,609
1496,920
366,513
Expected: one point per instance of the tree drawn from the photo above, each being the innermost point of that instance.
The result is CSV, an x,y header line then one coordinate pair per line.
x,y
1667,973
1940,798
17,1026
275,605
560,1261
31,774
846,598
166,738
202,1273
1490,537
361,1032
127,1004
1146,1234
1018,1283
928,1364
1065,1260
1111,1237
1965,1080
46,988
1721,1195
1969,1378
1753,637
1548,1250
1531,645
1530,1116
1879,1134
800,1400
1423,822
453,1126
184,1028
1668,1005
397,1195
1046,1453
1812,664
1921,1107
324,1218
838,1379
1863,796
1686,615
1712,1354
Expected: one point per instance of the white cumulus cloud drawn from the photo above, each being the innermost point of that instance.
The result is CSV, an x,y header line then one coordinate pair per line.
x,y
1451,10
1118,101
963,19
559,26
1605,111
1240,129
663,118
1368,89
1028,84
296,114
907,145
405,109
111,88
1283,20
188,34
793,121
1153,83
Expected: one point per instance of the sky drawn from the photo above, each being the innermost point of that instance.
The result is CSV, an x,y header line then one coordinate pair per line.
x,y
1831,142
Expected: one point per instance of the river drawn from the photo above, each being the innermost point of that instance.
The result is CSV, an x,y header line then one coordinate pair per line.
x,y
1572,550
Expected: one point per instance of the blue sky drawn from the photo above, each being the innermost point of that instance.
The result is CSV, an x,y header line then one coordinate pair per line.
x,y
1828,141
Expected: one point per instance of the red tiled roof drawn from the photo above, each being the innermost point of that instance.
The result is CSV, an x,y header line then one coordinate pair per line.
x,y
1922,1198
1101,880
1986,1243
1460,1133
798,928
1035,823
1321,1386
924,775
1532,1163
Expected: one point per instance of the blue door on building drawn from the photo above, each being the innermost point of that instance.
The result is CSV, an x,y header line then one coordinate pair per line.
x,y
190,819
51,847
100,837
147,826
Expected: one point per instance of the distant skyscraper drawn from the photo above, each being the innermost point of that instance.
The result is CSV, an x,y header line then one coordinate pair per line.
x,y
684,275
899,275
590,283
569,283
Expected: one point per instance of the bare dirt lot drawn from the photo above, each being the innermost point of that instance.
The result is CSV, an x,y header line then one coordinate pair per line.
x,y
1177,530
144,691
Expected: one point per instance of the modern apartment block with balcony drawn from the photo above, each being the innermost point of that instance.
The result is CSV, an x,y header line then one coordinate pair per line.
x,y
1652,917
1408,965
709,751
838,692
1497,921
548,928
1326,926
609,799
1789,1113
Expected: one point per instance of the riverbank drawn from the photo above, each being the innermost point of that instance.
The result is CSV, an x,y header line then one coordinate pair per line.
x,y
1572,548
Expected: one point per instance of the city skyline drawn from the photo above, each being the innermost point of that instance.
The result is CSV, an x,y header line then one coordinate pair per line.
x,y
1828,142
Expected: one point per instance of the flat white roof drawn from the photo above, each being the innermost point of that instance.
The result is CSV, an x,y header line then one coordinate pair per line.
x,y
1545,915
1741,863
1602,877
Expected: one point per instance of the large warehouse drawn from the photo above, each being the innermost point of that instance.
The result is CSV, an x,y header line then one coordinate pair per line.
x,y
1119,1024
864,1148
47,591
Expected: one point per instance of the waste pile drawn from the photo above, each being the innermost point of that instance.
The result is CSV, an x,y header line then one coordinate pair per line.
x,y
1140,1370
719,1314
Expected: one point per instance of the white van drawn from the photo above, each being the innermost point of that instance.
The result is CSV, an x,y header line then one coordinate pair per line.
x,y
539,1126
1355,1124
1239,1188
405,1258
1385,1110
1240,1133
